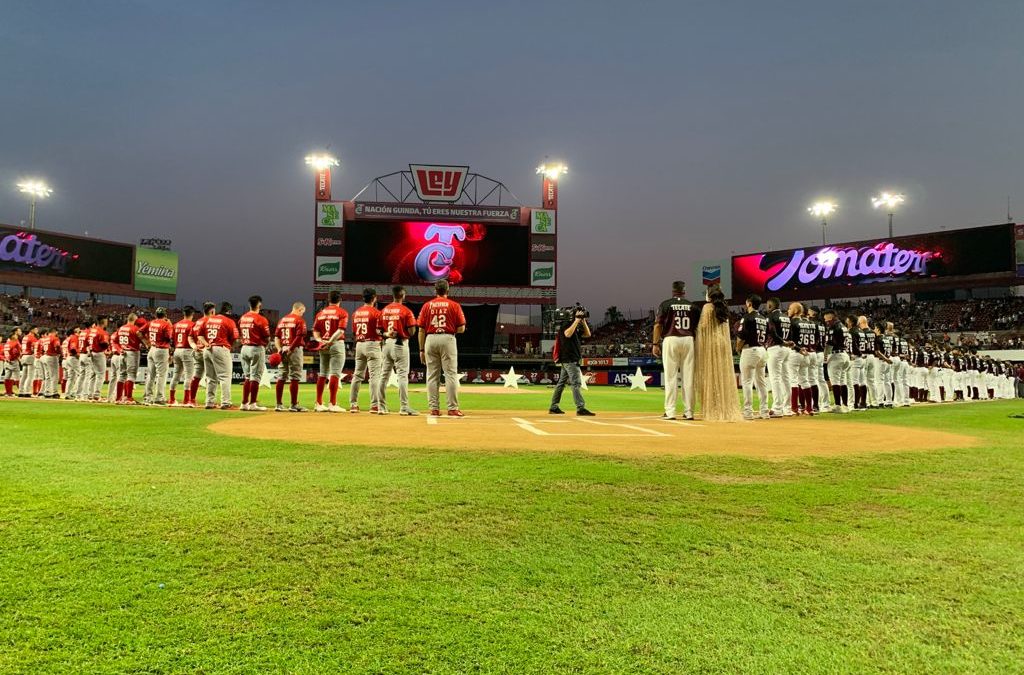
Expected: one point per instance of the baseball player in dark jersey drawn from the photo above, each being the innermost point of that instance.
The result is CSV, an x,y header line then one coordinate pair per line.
x,y
839,343
673,342
778,352
802,334
819,388
751,341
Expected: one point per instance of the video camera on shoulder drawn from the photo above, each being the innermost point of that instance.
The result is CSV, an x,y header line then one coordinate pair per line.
x,y
572,312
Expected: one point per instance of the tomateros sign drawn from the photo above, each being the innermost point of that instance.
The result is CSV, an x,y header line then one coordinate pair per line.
x,y
901,260
49,254
156,271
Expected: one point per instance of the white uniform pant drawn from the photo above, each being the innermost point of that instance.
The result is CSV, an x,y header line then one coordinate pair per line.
x,y
72,375
368,357
838,370
677,361
28,364
395,359
798,369
777,355
753,364
51,374
156,374
442,354
818,378
871,378
87,377
883,391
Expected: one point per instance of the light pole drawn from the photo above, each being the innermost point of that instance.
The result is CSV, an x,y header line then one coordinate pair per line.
x,y
35,189
890,200
549,173
822,209
322,163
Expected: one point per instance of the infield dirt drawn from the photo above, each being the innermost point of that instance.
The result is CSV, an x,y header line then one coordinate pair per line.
x,y
626,435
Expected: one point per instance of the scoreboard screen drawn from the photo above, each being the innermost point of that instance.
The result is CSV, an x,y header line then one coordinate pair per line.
x,y
421,252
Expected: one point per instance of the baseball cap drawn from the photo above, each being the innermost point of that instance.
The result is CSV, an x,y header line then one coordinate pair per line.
x,y
140,322
274,360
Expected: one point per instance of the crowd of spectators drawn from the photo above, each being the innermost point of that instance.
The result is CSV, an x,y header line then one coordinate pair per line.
x,y
60,313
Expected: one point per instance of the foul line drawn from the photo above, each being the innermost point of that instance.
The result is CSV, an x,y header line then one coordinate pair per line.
x,y
523,424
651,432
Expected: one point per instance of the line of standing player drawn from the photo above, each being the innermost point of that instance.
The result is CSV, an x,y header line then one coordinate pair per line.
x,y
202,348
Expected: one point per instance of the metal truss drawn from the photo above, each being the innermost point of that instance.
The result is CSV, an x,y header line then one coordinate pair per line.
x,y
398,187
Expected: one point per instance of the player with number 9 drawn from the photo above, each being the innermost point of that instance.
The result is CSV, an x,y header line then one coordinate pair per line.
x,y
329,330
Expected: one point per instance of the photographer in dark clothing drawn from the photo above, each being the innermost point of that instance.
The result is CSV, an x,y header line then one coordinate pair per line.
x,y
567,355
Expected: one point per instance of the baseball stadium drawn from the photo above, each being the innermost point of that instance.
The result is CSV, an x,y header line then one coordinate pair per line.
x,y
433,460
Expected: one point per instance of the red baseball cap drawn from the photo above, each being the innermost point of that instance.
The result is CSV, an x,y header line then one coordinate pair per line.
x,y
140,322
274,360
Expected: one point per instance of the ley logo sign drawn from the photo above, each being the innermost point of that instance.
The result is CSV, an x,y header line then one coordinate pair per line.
x,y
437,183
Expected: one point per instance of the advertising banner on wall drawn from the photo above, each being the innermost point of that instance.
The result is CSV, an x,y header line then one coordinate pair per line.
x,y
709,273
542,247
869,266
1019,235
328,268
542,274
542,221
435,212
328,214
58,255
156,271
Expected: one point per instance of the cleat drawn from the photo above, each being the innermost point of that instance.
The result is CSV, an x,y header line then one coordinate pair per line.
x,y
256,407
382,411
298,409
226,406
280,408
748,416
688,417
335,409
408,412
211,406
583,412
354,408
766,415
435,413
319,407
556,411
668,418
455,413
374,410
244,407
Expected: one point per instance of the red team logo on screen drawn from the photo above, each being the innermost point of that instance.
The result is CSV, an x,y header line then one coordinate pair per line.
x,y
438,183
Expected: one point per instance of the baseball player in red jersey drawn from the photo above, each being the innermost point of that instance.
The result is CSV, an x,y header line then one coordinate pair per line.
x,y
288,338
329,330
399,327
28,362
159,334
50,363
128,341
69,352
12,354
38,376
366,328
199,346
255,333
221,335
3,362
97,344
184,363
441,319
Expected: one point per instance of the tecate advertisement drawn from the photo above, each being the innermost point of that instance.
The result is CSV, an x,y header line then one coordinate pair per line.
x,y
420,252
982,250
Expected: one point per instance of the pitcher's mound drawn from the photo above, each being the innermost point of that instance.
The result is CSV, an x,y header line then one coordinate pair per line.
x,y
621,434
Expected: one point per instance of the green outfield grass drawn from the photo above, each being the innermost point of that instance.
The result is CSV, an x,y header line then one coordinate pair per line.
x,y
134,540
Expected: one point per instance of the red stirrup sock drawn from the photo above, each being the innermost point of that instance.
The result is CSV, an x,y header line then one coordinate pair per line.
x,y
280,391
293,389
333,386
320,382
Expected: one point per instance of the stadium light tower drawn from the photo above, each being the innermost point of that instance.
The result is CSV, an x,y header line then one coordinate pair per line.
x,y
549,172
35,189
890,200
822,209
322,163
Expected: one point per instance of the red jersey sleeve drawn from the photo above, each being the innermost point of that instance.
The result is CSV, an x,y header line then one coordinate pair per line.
x,y
459,317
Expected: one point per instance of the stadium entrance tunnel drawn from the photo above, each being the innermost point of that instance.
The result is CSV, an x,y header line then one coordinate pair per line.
x,y
622,435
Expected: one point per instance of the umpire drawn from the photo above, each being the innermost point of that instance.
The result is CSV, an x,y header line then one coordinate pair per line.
x,y
567,355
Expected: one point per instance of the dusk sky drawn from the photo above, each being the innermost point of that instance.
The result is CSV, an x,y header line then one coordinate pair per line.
x,y
691,129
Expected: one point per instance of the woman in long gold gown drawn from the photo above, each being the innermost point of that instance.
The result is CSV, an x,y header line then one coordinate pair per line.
x,y
715,374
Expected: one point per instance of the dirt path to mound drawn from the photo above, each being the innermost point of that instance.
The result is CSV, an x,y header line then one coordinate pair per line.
x,y
626,435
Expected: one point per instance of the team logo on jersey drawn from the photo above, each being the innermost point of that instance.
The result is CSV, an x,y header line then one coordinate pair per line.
x,y
436,183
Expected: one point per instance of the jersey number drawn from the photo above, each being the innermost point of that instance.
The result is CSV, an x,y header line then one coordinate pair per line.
x,y
439,321
681,322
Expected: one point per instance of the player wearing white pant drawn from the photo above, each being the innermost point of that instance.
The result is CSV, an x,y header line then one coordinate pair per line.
x,y
885,346
673,342
804,335
49,363
839,343
159,332
778,353
399,327
750,343
819,388
366,327
440,320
